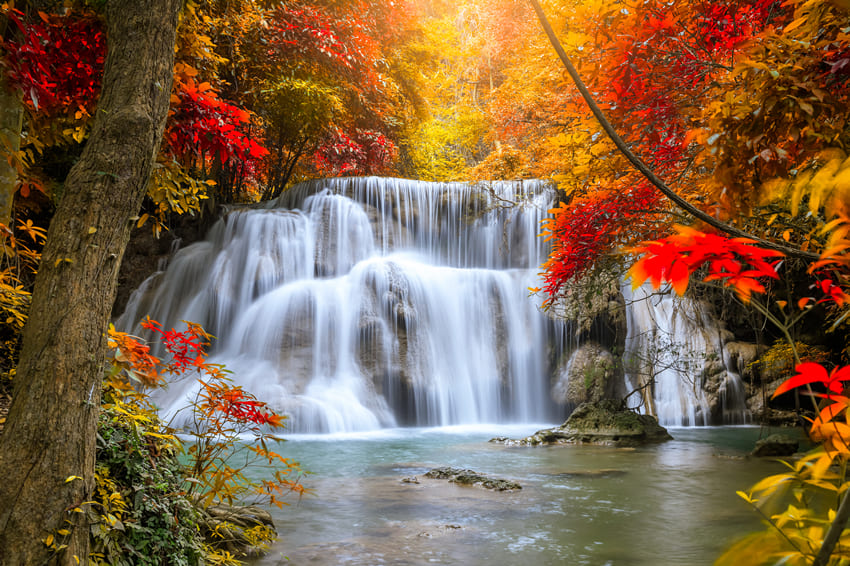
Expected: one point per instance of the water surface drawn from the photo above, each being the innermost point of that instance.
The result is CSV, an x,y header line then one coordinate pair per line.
x,y
672,504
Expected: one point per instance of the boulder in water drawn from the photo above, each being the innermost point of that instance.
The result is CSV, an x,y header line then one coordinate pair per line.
x,y
605,423
776,445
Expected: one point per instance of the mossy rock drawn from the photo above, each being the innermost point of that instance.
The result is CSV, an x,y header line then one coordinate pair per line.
x,y
605,423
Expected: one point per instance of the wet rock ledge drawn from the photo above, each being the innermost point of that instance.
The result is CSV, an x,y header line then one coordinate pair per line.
x,y
604,423
469,477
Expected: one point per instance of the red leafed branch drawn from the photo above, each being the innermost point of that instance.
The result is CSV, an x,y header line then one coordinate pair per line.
x,y
203,125
582,231
187,348
825,427
57,62
737,262
238,405
364,152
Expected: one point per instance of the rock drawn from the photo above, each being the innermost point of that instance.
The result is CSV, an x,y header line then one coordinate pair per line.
x,y
596,306
605,423
776,445
591,374
469,477
740,357
225,526
762,411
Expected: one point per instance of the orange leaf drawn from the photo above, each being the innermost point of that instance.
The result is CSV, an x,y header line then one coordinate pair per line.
x,y
679,277
807,373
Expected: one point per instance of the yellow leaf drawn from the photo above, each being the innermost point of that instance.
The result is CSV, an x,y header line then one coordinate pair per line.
x,y
72,478
795,24
92,229
49,540
771,483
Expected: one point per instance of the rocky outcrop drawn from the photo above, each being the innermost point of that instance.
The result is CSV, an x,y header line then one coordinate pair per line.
x,y
606,423
591,374
597,310
468,477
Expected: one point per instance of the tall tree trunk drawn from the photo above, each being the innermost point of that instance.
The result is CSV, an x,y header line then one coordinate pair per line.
x,y
49,438
11,122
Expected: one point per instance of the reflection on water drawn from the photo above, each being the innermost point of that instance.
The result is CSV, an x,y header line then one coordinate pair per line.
x,y
672,504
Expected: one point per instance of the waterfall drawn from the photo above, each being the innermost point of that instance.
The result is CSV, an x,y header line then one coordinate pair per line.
x,y
360,303
672,345
354,304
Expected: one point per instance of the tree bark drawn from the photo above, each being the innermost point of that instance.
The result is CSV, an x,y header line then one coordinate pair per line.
x,y
11,122
49,437
11,125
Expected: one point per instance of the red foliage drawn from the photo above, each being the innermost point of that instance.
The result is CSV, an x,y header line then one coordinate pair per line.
x,y
581,231
239,405
809,373
308,34
832,292
825,427
344,45
57,62
205,126
735,261
366,152
668,52
187,348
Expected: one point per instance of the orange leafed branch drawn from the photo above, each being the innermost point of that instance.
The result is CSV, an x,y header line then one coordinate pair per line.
x,y
735,261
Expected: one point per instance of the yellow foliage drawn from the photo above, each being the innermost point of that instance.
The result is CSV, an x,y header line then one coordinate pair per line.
x,y
172,189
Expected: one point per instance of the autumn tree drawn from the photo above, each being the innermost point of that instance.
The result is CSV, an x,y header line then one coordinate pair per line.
x,y
47,447
445,63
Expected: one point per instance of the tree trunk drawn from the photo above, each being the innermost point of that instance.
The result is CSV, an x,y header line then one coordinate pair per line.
x,y
11,122
49,438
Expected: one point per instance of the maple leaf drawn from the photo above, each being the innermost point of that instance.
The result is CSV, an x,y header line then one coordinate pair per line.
x,y
675,257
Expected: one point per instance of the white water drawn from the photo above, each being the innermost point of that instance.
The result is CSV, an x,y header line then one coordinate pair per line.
x,y
364,303
671,341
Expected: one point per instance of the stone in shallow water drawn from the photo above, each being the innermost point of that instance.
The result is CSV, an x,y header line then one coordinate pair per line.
x,y
605,423
776,445
469,477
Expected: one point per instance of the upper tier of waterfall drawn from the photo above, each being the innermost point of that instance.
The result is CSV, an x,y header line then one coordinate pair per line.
x,y
358,303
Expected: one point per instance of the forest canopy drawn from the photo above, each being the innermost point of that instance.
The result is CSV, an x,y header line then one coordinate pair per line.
x,y
741,109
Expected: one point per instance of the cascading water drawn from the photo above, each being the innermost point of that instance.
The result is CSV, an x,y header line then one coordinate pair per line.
x,y
354,304
669,345
360,303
